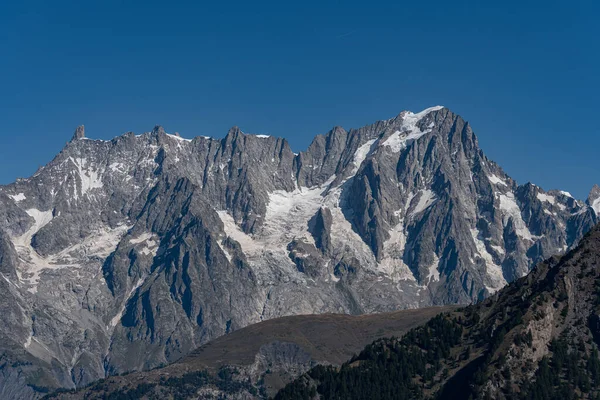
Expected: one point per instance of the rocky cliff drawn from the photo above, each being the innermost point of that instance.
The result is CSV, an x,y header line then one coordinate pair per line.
x,y
128,253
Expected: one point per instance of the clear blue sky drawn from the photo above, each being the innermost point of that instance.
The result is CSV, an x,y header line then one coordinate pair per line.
x,y
525,74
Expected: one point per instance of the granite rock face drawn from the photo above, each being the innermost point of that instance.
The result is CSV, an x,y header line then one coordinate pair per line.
x,y
593,199
126,254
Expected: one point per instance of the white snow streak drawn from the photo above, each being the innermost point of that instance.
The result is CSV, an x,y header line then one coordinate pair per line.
x,y
115,320
496,180
596,206
151,245
178,138
22,244
493,270
426,199
546,198
361,153
89,179
511,209
392,263
433,273
225,251
17,197
28,341
566,193
99,244
287,219
409,130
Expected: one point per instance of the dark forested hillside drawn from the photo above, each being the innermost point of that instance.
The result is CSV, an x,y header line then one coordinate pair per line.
x,y
385,369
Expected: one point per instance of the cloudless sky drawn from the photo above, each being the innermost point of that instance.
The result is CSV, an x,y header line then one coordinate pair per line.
x,y
524,73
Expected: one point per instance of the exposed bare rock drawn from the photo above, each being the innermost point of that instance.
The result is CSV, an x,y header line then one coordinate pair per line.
x,y
128,253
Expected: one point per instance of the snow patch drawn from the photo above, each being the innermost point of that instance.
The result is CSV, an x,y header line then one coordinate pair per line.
x,y
150,241
361,153
596,206
496,180
289,212
178,138
566,194
115,320
117,167
426,199
101,243
248,244
28,341
35,263
287,217
546,198
409,131
225,251
88,178
17,197
510,209
498,249
393,264
493,270
142,238
263,136
433,273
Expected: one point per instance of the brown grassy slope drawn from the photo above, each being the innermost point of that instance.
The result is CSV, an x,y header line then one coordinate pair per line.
x,y
328,338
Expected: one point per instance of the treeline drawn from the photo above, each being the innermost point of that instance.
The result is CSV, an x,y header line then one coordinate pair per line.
x,y
227,380
387,369
569,374
405,369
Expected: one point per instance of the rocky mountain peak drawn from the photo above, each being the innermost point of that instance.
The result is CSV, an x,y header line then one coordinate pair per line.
x,y
79,133
233,133
158,130
593,199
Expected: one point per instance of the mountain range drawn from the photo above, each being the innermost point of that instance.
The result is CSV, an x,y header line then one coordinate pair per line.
x,y
127,254
537,338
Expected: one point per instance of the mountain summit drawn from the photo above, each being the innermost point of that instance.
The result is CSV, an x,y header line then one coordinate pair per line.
x,y
126,254
79,133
